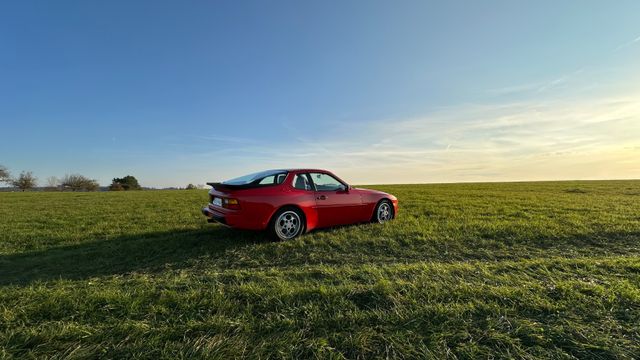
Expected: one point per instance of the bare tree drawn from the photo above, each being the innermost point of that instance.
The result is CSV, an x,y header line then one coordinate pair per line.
x,y
5,176
76,182
53,183
25,181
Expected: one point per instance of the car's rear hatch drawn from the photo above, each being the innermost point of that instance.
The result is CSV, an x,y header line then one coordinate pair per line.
x,y
228,192
231,196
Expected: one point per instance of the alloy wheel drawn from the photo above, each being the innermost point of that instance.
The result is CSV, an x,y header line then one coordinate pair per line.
x,y
288,225
384,212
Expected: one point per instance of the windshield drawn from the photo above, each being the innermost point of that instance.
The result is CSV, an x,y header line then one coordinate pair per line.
x,y
256,177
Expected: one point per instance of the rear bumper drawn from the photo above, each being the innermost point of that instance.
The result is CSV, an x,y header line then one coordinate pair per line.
x,y
238,219
214,216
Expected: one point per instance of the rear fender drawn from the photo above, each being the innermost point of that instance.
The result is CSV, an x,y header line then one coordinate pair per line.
x,y
309,212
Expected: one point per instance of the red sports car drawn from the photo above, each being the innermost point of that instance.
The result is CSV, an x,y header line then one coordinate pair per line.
x,y
288,203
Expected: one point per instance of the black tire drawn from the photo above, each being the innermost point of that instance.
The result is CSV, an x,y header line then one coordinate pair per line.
x,y
383,212
286,224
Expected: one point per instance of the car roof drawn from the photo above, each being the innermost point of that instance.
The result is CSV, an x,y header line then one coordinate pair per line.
x,y
297,170
307,170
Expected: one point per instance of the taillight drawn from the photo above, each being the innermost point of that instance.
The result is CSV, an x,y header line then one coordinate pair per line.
x,y
230,203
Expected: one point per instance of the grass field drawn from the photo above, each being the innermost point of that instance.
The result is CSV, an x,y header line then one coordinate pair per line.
x,y
520,270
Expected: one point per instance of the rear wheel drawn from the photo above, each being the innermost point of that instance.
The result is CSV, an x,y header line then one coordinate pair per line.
x,y
383,212
287,224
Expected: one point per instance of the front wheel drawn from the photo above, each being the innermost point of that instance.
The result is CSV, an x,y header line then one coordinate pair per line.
x,y
383,212
286,224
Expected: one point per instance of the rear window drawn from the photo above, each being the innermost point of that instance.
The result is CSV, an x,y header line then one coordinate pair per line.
x,y
269,177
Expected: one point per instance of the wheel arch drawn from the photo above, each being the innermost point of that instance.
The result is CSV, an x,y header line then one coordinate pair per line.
x,y
290,206
384,198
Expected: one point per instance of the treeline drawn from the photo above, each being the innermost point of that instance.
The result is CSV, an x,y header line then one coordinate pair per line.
x,y
70,182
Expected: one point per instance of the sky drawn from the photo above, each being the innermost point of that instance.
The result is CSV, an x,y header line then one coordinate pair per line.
x,y
178,92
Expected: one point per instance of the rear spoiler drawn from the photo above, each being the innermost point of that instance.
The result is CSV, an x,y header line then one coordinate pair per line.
x,y
223,186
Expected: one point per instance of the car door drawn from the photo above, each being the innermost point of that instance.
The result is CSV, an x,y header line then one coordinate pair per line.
x,y
336,203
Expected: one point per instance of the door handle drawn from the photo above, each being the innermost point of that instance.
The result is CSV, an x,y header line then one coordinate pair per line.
x,y
322,197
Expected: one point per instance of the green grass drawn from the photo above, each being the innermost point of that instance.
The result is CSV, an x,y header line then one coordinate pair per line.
x,y
517,270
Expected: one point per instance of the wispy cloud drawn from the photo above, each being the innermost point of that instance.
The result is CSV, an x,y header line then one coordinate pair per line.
x,y
224,139
569,139
538,86
627,44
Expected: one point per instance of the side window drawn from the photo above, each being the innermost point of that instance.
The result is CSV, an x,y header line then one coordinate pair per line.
x,y
273,179
267,180
326,182
300,182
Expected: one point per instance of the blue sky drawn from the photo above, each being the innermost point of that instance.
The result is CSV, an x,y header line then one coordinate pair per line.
x,y
378,91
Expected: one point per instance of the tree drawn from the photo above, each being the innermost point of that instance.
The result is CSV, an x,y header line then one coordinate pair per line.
x,y
76,182
126,183
191,187
25,181
5,176
116,187
53,183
